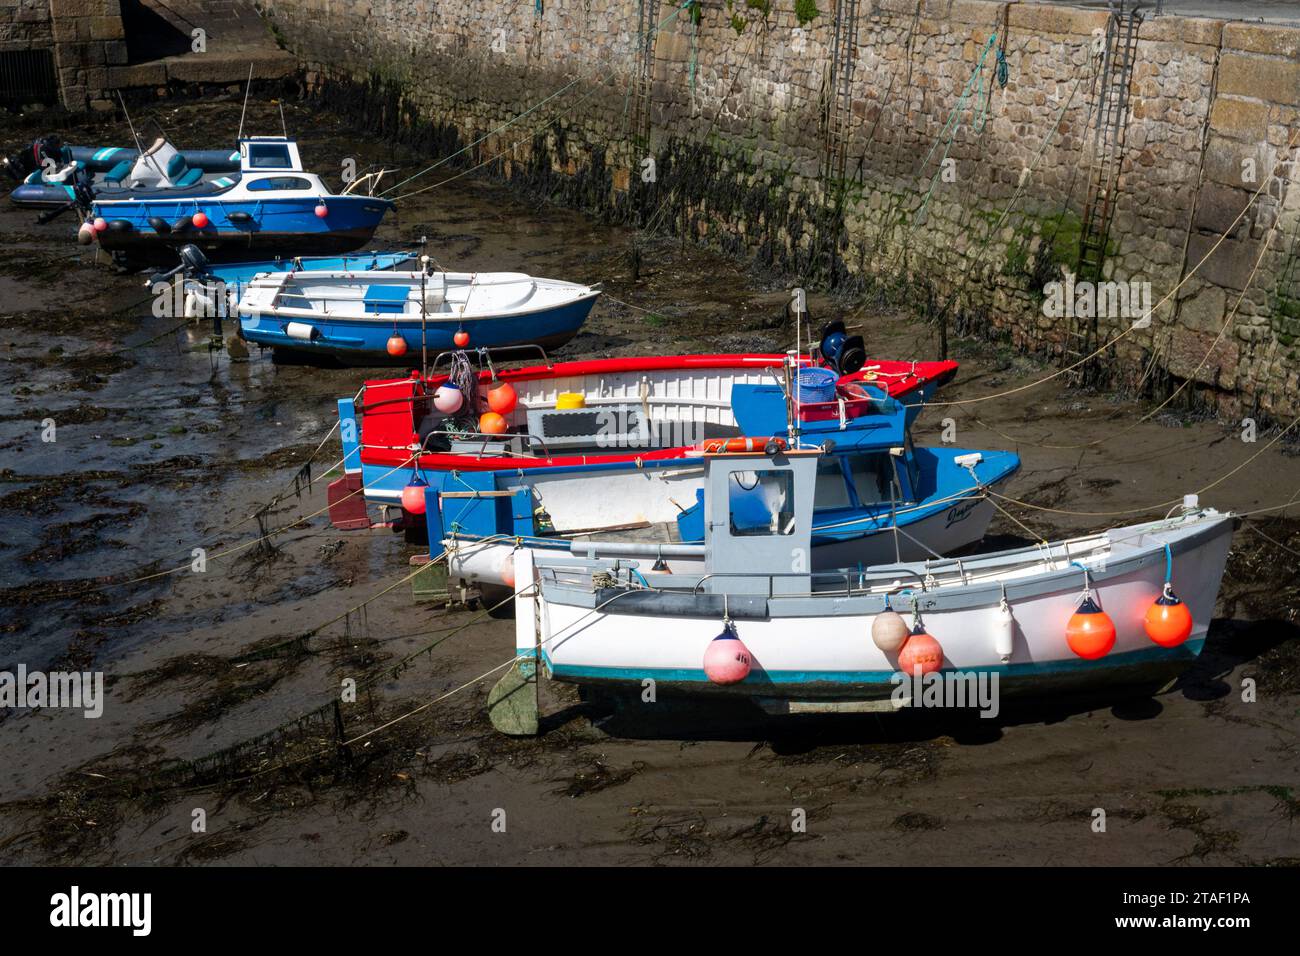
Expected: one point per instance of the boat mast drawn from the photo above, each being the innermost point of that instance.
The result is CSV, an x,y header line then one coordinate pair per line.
x,y
424,317
139,146
248,87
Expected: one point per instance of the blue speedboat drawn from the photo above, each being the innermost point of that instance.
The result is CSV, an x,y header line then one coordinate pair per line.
x,y
271,207
49,171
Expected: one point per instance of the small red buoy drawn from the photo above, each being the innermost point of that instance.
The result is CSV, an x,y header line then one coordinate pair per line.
x,y
1090,631
413,496
501,398
921,654
1168,622
200,220
396,345
322,211
490,423
461,338
727,659
507,570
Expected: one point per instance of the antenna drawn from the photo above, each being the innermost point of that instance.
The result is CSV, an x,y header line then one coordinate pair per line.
x,y
139,146
283,129
248,86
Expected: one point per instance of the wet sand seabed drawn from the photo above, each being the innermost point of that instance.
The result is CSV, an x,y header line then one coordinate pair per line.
x,y
163,444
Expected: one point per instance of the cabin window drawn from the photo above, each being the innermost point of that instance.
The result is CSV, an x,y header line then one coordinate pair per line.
x,y
761,502
278,182
832,492
268,156
873,476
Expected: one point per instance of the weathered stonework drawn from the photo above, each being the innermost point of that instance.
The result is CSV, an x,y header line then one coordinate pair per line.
x,y
89,40
24,25
733,110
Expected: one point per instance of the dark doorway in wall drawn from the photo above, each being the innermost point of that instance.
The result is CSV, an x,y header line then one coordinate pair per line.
x,y
153,30
26,77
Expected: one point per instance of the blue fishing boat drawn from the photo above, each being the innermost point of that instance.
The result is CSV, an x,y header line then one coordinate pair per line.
x,y
384,317
877,497
271,207
49,171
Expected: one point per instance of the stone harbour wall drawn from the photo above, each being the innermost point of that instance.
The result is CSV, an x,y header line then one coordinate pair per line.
x,y
900,166
24,25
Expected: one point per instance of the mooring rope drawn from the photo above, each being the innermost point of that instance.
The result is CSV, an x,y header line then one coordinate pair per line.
x,y
247,544
1187,380
436,700
1157,506
1264,181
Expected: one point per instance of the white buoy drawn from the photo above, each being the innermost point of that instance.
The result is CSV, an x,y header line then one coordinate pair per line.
x,y
1004,632
889,631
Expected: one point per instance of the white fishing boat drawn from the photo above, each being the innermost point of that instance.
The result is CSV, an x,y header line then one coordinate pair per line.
x,y
1125,607
385,317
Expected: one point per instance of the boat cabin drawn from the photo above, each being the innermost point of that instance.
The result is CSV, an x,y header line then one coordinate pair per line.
x,y
262,154
760,515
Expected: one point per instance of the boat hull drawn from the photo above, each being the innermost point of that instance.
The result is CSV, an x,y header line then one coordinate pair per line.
x,y
360,341
807,650
275,227
487,563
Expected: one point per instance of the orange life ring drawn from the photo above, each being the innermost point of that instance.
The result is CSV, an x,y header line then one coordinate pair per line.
x,y
718,446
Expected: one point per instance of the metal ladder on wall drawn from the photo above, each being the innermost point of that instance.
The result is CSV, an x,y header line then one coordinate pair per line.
x,y
647,22
839,112
1111,123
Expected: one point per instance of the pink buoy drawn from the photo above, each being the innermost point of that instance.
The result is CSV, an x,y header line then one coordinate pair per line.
x,y
413,496
101,224
322,211
726,659
200,220
86,234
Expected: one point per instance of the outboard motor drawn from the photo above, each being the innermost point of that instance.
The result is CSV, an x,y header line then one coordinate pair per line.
x,y
18,166
192,258
193,263
26,161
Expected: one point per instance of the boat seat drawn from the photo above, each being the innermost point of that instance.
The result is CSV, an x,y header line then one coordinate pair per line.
x,y
180,174
119,172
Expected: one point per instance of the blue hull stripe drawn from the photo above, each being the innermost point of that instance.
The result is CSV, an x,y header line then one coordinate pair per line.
x,y
339,334
1186,653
